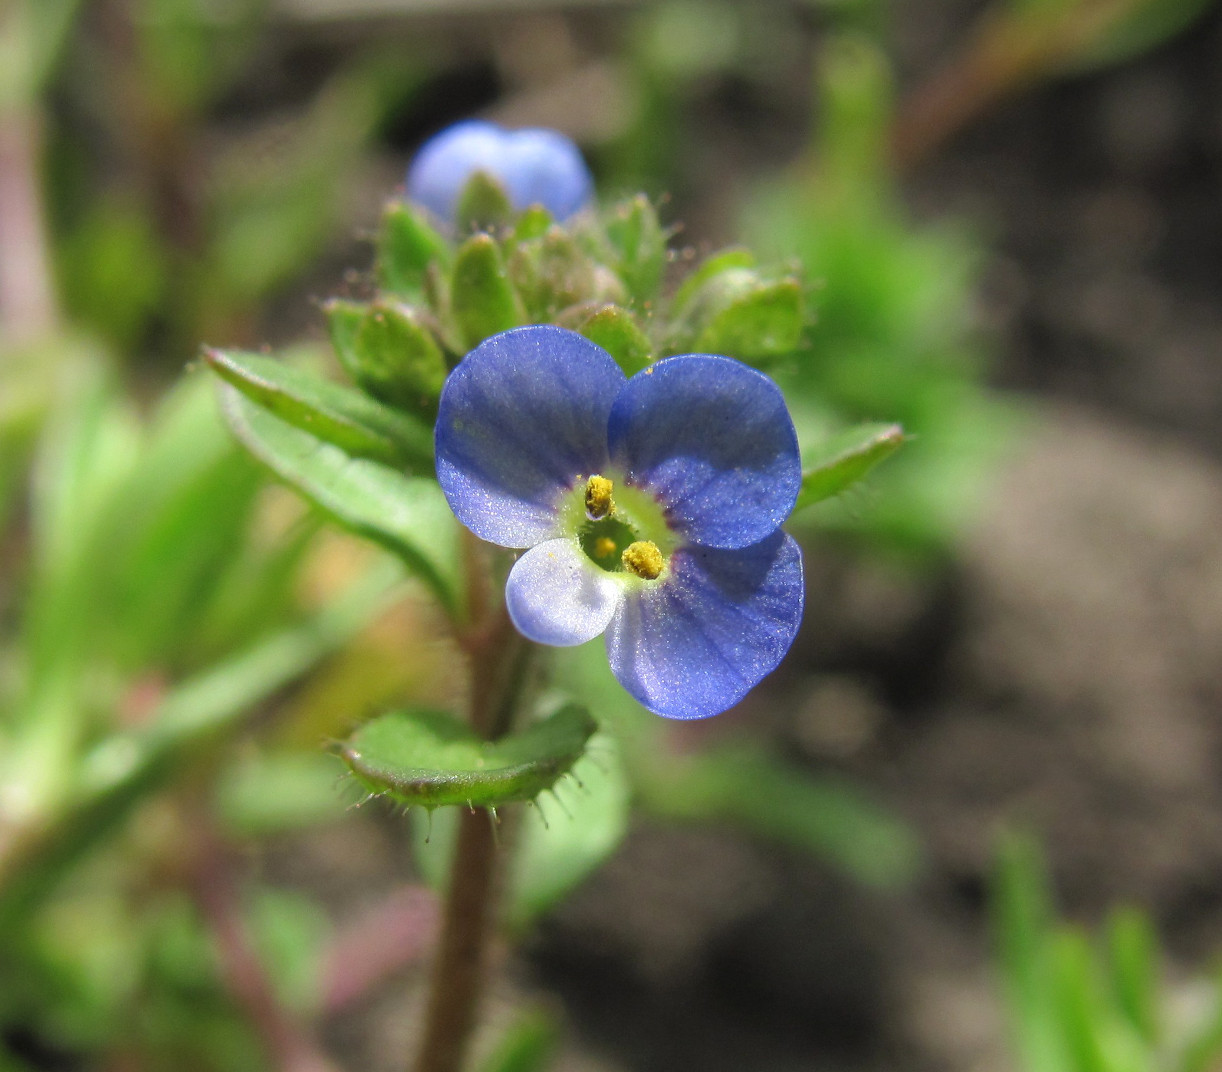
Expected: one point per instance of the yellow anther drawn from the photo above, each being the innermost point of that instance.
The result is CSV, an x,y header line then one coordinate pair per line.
x,y
598,497
644,559
603,547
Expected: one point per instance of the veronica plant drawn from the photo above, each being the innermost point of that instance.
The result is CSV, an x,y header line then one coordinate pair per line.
x,y
528,381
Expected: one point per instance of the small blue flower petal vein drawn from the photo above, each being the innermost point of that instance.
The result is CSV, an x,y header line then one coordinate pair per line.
x,y
535,166
530,414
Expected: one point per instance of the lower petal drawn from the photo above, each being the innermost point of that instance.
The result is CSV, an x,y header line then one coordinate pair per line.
x,y
697,642
557,596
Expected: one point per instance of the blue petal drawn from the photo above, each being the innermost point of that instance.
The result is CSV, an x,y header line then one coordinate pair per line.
x,y
544,168
713,440
521,419
447,160
698,641
534,165
557,596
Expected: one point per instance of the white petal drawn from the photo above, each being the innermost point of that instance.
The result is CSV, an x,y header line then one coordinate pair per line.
x,y
557,596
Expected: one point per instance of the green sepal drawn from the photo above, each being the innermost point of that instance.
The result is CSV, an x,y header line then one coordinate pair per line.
x,y
532,222
406,245
710,267
638,245
765,322
845,459
615,329
483,301
552,273
733,310
354,422
431,759
482,205
388,351
405,514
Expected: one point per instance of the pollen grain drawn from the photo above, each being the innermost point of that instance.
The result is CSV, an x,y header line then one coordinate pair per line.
x,y
598,497
644,559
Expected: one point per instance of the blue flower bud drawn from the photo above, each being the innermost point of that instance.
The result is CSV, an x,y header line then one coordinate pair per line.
x,y
534,165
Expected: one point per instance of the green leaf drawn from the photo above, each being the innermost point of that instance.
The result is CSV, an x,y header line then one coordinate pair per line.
x,y
124,769
431,759
529,1045
357,424
615,329
1133,960
1203,1046
483,300
406,246
1078,1003
388,351
267,794
408,515
572,834
847,458
1022,923
638,244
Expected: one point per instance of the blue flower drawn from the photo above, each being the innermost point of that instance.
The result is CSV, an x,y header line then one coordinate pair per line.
x,y
535,166
650,508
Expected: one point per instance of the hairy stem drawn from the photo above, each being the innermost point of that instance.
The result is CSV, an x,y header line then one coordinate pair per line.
x,y
458,974
499,660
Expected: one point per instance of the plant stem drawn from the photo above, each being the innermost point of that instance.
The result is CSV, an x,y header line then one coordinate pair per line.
x,y
499,658
458,973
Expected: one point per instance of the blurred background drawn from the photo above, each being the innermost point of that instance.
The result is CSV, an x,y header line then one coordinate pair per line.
x,y
1009,220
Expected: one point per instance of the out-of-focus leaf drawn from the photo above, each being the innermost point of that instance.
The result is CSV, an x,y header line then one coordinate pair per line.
x,y
431,759
1203,1047
529,1045
847,458
1139,27
1022,921
1133,962
357,424
407,515
274,212
747,787
88,448
270,794
289,931
581,826
1077,1002
114,271
123,769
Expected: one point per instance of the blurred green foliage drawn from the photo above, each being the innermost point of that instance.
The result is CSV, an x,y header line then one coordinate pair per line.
x,y
1082,1002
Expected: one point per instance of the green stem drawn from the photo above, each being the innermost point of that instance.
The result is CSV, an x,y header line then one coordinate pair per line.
x,y
499,659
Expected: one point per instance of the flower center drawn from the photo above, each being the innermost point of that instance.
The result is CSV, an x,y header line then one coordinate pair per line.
x,y
626,534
